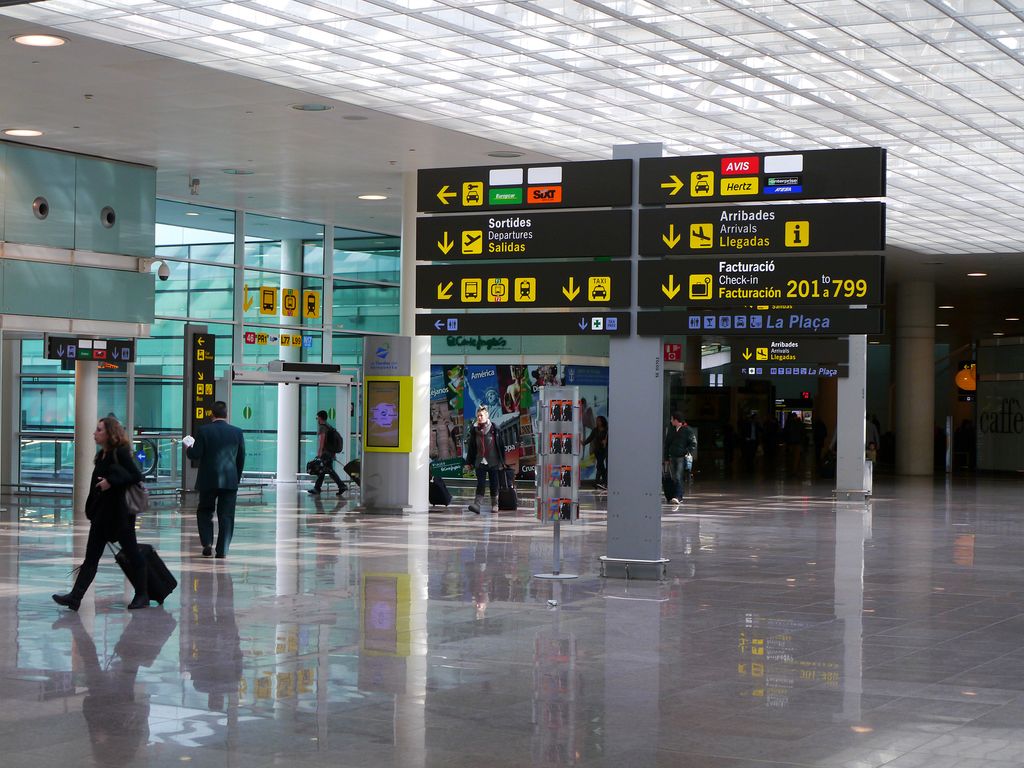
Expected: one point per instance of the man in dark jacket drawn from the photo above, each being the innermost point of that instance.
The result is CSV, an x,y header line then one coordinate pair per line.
x,y
484,454
680,445
220,450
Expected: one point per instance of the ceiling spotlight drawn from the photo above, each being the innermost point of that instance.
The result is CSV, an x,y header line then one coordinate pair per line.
x,y
998,333
977,274
504,153
1012,319
942,325
39,41
372,197
191,213
312,107
26,132
946,306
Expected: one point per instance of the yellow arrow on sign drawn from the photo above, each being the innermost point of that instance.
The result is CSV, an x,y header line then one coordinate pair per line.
x,y
445,292
675,185
746,353
671,239
443,194
672,288
447,245
246,302
571,292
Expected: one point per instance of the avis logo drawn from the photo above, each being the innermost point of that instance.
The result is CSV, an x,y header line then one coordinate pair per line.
x,y
383,351
740,165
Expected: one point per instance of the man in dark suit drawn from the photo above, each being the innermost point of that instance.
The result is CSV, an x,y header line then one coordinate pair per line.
x,y
220,450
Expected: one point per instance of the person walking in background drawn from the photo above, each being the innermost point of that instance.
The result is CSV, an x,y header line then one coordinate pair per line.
x,y
328,445
598,441
114,469
484,455
680,446
219,448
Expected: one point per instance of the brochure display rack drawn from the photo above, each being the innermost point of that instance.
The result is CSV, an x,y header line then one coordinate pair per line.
x,y
558,467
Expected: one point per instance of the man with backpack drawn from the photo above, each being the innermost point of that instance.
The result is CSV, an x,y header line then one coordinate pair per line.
x,y
329,445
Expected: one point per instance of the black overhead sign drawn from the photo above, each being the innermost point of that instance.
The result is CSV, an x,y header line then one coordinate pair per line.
x,y
757,280
524,235
786,351
592,323
201,389
99,350
593,184
528,285
799,321
826,371
738,229
820,174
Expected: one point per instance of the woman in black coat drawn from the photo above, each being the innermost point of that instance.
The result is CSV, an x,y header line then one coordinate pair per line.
x,y
115,469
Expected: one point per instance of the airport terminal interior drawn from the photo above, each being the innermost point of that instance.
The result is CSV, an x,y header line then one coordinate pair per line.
x,y
254,201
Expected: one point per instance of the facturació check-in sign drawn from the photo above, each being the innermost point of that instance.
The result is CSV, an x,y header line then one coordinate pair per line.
x,y
524,235
740,229
759,280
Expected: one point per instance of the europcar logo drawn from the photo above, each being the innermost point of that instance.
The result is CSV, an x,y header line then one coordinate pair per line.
x,y
383,351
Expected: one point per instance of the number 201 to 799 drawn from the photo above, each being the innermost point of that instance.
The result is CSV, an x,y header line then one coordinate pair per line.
x,y
827,289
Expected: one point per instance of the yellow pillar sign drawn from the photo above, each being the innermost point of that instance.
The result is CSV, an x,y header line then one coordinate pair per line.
x,y
289,302
311,305
798,234
472,289
497,289
599,288
268,300
525,289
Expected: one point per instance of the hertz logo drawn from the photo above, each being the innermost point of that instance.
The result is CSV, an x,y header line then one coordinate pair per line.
x,y
544,195
747,185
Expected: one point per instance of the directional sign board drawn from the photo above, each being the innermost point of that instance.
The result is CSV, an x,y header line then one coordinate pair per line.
x,y
754,280
535,284
105,350
739,229
593,184
819,174
594,323
525,235
782,350
800,321
201,387
825,371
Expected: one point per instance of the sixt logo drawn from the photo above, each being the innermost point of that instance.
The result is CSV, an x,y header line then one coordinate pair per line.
x,y
383,351
544,195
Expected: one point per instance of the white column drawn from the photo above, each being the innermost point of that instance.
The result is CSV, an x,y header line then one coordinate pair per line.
x,y
86,414
914,368
288,394
850,409
419,361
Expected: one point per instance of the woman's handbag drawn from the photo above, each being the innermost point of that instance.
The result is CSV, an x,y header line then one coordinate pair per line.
x,y
136,499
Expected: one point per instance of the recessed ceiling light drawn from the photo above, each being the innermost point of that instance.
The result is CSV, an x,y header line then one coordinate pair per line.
x,y
942,325
504,153
354,118
874,342
39,41
238,171
946,306
191,213
998,333
977,274
372,197
22,132
312,107
1012,319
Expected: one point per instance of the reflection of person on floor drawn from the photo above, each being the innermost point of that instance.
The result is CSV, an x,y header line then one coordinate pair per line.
x,y
118,716
214,657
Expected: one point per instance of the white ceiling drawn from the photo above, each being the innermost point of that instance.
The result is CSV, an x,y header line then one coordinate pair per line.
x,y
938,83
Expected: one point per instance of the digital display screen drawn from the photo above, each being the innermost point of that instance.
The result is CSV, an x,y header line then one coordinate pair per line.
x,y
383,414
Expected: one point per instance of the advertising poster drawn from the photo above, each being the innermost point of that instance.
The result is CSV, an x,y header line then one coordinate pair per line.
x,y
447,424
593,383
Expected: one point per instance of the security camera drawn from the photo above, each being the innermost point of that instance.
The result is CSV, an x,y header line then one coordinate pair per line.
x,y
163,271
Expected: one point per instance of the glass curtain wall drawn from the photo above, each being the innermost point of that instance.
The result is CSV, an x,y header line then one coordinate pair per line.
x,y
289,295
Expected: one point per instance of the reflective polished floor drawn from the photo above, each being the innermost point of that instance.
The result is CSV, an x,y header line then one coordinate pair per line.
x,y
791,631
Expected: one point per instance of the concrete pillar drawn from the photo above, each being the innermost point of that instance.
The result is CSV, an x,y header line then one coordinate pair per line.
x,y
419,359
852,403
87,377
914,366
288,394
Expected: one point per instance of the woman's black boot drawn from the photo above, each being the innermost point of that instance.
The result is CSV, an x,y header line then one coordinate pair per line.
x,y
70,600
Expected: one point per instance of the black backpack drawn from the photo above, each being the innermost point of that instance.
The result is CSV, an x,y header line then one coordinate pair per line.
x,y
332,440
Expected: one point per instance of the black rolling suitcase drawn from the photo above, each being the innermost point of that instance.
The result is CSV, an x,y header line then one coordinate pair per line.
x,y
668,486
160,582
508,500
439,495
